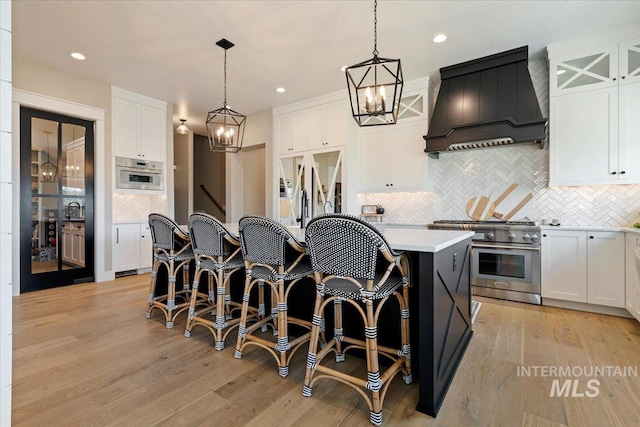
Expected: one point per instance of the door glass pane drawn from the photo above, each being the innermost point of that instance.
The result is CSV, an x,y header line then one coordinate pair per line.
x,y
44,147
504,265
583,80
583,62
633,61
327,177
44,234
564,74
73,235
73,159
601,67
291,184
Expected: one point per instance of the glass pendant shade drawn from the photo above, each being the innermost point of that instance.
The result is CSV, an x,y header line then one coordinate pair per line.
x,y
375,88
182,129
225,127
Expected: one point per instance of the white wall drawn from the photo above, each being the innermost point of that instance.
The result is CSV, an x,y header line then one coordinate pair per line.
x,y
6,219
258,131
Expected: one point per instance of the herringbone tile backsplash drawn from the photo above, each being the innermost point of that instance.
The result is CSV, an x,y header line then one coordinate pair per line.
x,y
137,207
457,177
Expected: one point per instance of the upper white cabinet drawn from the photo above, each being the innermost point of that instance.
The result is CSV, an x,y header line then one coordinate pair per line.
x,y
632,277
139,126
583,266
392,158
593,127
312,127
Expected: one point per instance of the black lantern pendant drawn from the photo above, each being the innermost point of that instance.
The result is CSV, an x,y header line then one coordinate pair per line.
x,y
49,170
225,127
375,86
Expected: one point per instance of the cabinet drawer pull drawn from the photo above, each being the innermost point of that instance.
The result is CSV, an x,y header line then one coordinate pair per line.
x,y
591,237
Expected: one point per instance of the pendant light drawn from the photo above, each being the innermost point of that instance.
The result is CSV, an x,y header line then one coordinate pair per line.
x,y
225,127
375,86
49,170
182,129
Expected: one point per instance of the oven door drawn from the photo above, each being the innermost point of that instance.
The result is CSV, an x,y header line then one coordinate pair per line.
x,y
512,268
139,179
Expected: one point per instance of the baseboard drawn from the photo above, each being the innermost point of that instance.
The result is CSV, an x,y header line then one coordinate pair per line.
x,y
592,308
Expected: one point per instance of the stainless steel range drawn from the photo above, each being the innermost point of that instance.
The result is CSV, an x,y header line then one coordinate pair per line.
x,y
505,258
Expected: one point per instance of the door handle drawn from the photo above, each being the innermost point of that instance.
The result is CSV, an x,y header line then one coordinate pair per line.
x,y
117,235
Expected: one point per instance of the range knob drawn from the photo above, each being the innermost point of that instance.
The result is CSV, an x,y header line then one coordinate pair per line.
x,y
490,236
512,237
534,238
526,237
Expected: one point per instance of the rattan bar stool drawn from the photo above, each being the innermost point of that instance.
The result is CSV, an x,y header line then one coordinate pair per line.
x,y
272,256
171,248
354,264
217,253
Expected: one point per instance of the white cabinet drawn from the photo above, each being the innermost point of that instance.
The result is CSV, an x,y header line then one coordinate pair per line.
x,y
139,126
146,247
595,100
583,266
632,280
312,128
73,243
392,158
564,265
126,247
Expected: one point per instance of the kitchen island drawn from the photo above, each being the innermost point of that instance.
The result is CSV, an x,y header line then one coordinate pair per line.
x,y
440,304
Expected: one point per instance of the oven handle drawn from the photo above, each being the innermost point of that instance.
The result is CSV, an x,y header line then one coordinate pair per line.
x,y
479,245
142,171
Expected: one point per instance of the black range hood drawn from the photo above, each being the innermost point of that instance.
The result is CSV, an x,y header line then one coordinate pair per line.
x,y
486,102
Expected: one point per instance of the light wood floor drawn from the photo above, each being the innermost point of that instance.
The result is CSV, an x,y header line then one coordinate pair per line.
x,y
85,355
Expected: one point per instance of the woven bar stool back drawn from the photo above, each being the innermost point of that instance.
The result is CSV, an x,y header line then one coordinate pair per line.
x,y
171,248
354,264
217,253
273,257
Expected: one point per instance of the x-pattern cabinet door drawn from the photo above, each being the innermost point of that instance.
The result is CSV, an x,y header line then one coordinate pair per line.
x,y
630,61
587,70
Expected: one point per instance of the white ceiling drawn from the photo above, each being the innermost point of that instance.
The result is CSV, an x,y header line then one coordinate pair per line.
x,y
166,49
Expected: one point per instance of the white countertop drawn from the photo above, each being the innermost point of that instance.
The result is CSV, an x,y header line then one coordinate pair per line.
x,y
402,239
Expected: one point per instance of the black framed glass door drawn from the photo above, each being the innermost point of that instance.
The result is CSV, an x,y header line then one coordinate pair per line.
x,y
56,200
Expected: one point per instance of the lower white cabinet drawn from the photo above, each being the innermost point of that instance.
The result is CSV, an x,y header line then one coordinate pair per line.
x,y
584,266
73,247
132,247
632,280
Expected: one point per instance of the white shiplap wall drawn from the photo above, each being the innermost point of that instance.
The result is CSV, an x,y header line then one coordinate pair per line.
x,y
460,176
6,290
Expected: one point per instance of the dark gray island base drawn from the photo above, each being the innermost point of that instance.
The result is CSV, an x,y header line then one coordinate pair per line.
x,y
440,319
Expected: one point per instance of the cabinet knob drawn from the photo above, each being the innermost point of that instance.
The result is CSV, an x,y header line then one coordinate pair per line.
x,y
622,172
623,77
614,79
613,173
591,237
387,185
391,185
544,235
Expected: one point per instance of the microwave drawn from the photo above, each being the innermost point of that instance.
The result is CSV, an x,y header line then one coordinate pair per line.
x,y
135,174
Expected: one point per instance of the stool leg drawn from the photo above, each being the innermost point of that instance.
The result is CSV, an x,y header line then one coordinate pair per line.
x,y
220,310
192,306
406,346
242,328
338,332
171,294
185,281
261,307
274,311
374,384
283,334
313,345
212,292
152,287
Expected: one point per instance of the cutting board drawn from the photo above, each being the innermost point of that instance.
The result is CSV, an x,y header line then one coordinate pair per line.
x,y
512,201
480,208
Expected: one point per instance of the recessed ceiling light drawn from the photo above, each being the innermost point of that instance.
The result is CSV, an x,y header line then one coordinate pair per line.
x,y
344,68
439,38
561,72
280,89
78,56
